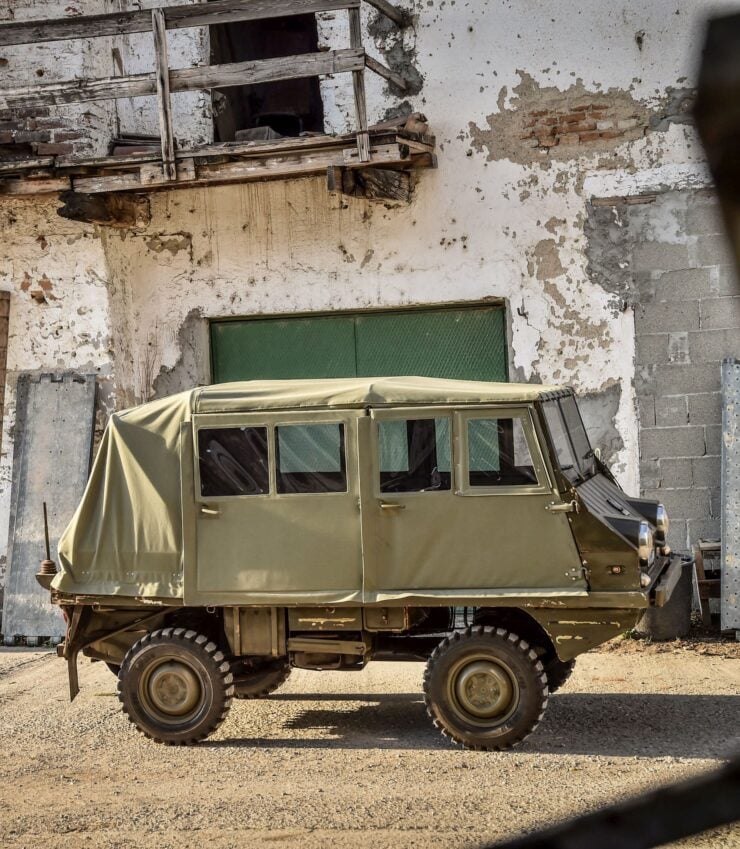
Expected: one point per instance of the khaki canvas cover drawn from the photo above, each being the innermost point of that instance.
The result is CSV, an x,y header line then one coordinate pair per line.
x,y
126,536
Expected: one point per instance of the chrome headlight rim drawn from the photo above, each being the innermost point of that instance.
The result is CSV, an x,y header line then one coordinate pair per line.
x,y
662,522
645,542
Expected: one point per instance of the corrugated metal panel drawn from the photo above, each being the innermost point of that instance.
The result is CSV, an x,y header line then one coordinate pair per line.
x,y
730,602
465,342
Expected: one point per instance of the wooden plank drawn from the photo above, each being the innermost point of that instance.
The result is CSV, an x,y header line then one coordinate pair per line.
x,y
176,17
262,168
398,16
186,79
164,104
25,164
34,187
358,86
380,69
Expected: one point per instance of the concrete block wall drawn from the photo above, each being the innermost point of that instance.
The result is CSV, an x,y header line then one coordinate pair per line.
x,y
687,319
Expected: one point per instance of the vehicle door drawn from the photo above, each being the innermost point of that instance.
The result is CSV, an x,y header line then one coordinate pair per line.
x,y
459,502
276,508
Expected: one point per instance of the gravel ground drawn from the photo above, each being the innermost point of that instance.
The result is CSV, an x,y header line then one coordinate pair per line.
x,y
350,757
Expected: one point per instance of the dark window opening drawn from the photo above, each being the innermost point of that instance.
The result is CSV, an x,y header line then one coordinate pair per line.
x,y
498,454
233,461
266,110
311,458
414,455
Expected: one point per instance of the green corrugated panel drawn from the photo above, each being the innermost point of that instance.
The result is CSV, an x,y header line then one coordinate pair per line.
x,y
467,343
457,343
271,349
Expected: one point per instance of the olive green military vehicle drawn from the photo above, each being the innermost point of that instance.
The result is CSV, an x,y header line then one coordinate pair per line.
x,y
230,533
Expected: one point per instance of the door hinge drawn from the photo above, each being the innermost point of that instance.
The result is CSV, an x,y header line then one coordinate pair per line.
x,y
577,573
564,507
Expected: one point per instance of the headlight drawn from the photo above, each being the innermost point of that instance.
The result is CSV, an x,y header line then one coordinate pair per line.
x,y
645,542
662,524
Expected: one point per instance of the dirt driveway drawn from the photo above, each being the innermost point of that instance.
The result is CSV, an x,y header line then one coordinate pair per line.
x,y
350,759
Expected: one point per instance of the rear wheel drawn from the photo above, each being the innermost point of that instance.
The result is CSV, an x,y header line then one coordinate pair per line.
x,y
485,688
257,680
175,686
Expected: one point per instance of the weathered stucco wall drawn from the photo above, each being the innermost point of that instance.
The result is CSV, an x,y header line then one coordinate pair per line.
x,y
532,124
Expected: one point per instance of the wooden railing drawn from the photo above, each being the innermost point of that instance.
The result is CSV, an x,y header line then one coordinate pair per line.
x,y
163,80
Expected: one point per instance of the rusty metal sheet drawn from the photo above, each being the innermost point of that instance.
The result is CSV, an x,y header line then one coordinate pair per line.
x,y
730,603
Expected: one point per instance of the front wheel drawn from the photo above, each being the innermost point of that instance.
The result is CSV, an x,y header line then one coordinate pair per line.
x,y
558,672
485,688
175,686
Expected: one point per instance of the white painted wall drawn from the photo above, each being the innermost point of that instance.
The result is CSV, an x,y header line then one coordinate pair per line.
x,y
485,224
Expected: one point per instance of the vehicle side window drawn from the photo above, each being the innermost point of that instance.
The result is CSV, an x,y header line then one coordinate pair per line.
x,y
233,461
498,454
414,455
311,458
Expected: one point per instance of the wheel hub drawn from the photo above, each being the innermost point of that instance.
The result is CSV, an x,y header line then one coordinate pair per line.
x,y
484,689
174,689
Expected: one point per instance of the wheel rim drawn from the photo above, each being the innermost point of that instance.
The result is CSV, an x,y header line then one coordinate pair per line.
x,y
483,690
172,690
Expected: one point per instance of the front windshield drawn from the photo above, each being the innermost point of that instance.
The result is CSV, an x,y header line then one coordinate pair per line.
x,y
573,450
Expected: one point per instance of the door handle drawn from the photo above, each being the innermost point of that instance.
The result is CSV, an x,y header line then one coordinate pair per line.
x,y
209,511
391,505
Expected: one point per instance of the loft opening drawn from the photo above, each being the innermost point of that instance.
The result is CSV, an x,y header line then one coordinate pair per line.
x,y
266,110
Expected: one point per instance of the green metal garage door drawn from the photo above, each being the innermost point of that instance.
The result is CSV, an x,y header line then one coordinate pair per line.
x,y
461,342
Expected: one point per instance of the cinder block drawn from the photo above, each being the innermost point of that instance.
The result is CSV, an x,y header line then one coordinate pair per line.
x,y
720,313
676,473
712,346
672,411
650,476
682,284
706,471
663,442
705,408
713,439
704,219
706,528
646,379
713,250
646,410
725,280
678,347
651,348
648,256
686,379
715,502
686,503
667,316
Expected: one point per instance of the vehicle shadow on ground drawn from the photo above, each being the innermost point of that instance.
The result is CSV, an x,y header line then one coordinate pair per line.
x,y
617,724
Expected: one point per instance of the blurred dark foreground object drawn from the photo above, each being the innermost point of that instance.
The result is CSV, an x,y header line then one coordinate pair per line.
x,y
717,115
711,800
652,819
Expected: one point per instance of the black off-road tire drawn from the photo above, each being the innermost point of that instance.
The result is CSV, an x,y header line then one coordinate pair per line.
x,y
558,672
256,682
175,686
477,657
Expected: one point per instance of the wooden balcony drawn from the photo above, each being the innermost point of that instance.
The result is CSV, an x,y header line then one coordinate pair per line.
x,y
370,160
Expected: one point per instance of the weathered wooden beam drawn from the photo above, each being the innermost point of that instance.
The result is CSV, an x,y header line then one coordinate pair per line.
x,y
164,104
176,17
358,86
398,16
186,79
380,69
14,165
111,210
382,185
279,167
18,187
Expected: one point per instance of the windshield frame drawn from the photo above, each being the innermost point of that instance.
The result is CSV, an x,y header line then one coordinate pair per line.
x,y
576,459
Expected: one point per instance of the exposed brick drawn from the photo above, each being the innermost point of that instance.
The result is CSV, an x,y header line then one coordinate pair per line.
x,y
671,412
6,138
685,378
590,136
604,125
652,256
672,442
676,473
706,471
666,316
67,135
705,408
32,136
720,313
684,283
569,138
53,149
610,134
683,503
713,250
651,348
580,126
548,142
712,346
